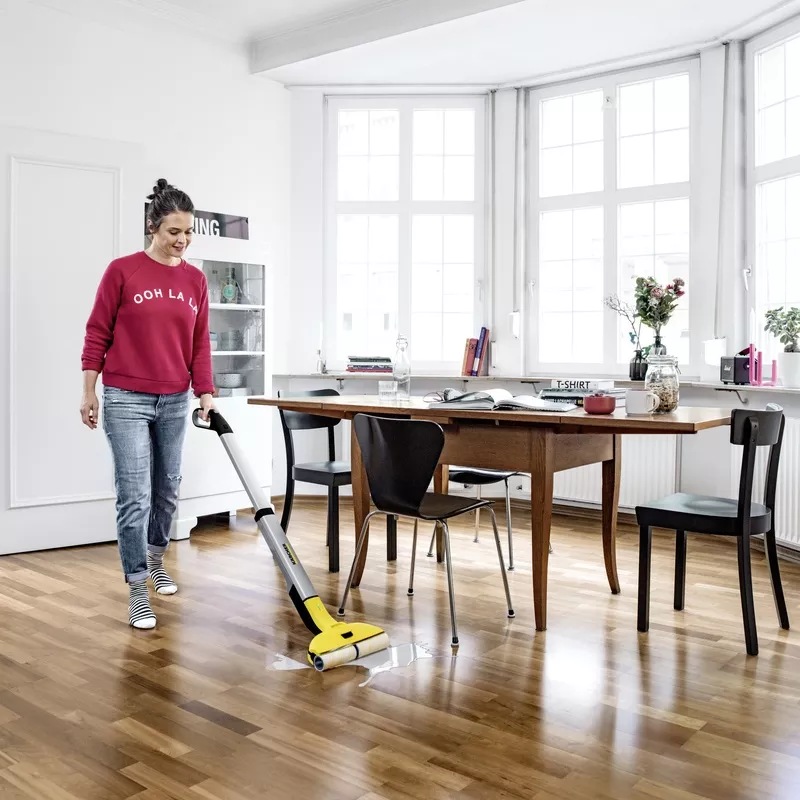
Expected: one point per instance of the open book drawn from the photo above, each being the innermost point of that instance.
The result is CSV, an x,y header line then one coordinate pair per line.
x,y
497,400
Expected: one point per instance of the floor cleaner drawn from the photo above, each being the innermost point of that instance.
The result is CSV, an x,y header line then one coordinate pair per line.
x,y
335,643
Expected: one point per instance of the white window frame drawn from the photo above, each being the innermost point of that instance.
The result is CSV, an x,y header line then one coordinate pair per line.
x,y
784,168
405,208
609,199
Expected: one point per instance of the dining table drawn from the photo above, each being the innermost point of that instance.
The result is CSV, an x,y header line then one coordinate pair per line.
x,y
540,443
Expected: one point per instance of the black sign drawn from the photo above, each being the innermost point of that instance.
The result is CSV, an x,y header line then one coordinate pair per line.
x,y
209,223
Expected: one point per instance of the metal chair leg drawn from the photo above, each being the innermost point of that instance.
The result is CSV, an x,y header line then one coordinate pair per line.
x,y
433,540
413,559
508,525
450,582
361,537
502,565
477,517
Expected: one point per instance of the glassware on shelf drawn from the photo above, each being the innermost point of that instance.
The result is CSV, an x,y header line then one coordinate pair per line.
x,y
401,371
662,379
214,288
229,286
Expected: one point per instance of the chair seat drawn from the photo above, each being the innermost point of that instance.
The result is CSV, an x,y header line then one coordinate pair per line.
x,y
698,513
478,476
443,506
323,473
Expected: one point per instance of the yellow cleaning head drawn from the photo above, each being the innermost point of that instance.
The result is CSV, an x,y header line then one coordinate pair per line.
x,y
344,643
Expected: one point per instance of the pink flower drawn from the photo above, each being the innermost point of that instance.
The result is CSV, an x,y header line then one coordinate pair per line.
x,y
657,292
678,282
669,287
680,293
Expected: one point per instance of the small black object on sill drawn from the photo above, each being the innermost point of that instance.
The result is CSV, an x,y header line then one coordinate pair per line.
x,y
736,369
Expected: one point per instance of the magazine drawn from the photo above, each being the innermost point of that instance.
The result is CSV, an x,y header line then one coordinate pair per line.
x,y
497,400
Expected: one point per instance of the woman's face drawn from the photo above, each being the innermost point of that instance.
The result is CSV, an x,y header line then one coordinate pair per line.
x,y
174,235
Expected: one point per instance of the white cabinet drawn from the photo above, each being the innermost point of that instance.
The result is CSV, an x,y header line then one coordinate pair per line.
x,y
239,324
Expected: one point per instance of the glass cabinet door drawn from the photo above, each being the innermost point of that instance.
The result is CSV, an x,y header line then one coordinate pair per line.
x,y
236,325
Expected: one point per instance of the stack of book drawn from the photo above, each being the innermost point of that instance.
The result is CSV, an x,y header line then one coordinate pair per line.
x,y
574,390
476,355
371,364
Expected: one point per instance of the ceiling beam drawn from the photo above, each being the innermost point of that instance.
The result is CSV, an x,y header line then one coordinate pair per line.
x,y
379,20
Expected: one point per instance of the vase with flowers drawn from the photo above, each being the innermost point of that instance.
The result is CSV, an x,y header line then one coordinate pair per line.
x,y
638,364
655,303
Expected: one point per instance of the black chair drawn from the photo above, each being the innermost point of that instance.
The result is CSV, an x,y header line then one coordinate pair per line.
x,y
331,473
726,517
400,458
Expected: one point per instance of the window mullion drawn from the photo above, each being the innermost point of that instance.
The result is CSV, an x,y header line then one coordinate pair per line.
x,y
405,213
610,269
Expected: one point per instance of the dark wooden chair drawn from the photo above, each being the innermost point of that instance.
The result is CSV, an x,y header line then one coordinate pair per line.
x,y
331,473
400,458
721,516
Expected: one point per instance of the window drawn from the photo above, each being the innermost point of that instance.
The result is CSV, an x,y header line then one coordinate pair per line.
x,y
610,201
405,226
773,103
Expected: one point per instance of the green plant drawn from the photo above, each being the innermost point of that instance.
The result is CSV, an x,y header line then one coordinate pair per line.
x,y
785,325
655,303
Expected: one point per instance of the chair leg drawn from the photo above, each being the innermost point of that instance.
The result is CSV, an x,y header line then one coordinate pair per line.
x,y
413,559
502,565
361,537
645,546
391,537
288,502
680,570
446,530
477,517
508,526
775,578
433,540
746,591
333,529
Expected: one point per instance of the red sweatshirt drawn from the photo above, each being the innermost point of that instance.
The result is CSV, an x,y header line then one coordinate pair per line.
x,y
148,330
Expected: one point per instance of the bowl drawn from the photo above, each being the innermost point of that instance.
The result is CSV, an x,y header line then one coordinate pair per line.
x,y
599,404
229,380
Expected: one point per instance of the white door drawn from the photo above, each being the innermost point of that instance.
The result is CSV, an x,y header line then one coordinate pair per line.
x,y
68,206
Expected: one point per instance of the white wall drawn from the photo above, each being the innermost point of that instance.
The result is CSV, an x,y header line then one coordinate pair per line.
x,y
191,112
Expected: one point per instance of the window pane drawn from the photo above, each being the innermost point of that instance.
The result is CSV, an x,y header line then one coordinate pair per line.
x,y
672,103
587,339
384,178
353,133
555,338
459,132
775,256
636,229
793,67
428,178
636,161
426,239
556,122
456,329
457,288
672,226
587,117
459,178
428,131
793,207
771,73
588,233
384,132
560,301
772,133
774,205
636,108
353,178
555,235
555,276
426,288
459,242
672,157
383,239
426,333
353,239
556,172
793,273
588,168
793,127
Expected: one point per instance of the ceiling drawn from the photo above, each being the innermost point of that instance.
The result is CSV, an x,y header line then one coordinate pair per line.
x,y
528,39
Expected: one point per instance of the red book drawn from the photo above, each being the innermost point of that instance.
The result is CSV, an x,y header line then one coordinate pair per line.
x,y
470,360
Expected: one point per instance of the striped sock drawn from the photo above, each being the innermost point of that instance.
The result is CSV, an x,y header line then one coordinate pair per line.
x,y
140,615
162,582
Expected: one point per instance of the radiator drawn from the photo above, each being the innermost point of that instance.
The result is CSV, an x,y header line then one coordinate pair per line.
x,y
648,472
787,498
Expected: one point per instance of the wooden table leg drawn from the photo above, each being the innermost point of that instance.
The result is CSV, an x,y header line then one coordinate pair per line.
x,y
611,476
361,500
441,485
542,463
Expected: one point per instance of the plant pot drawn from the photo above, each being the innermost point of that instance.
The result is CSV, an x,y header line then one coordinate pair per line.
x,y
789,369
638,367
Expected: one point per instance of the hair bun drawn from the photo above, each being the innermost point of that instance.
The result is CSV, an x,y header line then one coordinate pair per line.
x,y
162,185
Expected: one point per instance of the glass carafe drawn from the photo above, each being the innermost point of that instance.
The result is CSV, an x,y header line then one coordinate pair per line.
x,y
401,371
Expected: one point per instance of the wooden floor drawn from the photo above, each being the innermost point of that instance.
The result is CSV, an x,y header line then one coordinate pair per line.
x,y
585,711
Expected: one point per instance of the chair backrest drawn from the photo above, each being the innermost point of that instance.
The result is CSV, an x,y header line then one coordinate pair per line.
x,y
753,429
400,458
300,421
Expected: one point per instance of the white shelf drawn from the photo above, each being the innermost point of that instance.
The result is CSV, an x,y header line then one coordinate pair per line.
x,y
234,307
237,352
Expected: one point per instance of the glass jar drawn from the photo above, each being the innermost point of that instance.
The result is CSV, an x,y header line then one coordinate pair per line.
x,y
662,380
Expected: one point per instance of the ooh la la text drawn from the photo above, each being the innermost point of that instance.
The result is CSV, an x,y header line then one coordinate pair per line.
x,y
153,294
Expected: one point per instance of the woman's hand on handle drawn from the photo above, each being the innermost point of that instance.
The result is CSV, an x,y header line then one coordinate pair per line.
x,y
206,405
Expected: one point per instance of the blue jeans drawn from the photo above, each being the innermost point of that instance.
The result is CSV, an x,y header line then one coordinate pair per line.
x,y
146,434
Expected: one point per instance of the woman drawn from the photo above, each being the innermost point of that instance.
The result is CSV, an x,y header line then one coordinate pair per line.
x,y
148,334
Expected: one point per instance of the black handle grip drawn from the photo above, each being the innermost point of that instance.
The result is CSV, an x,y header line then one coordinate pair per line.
x,y
216,422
